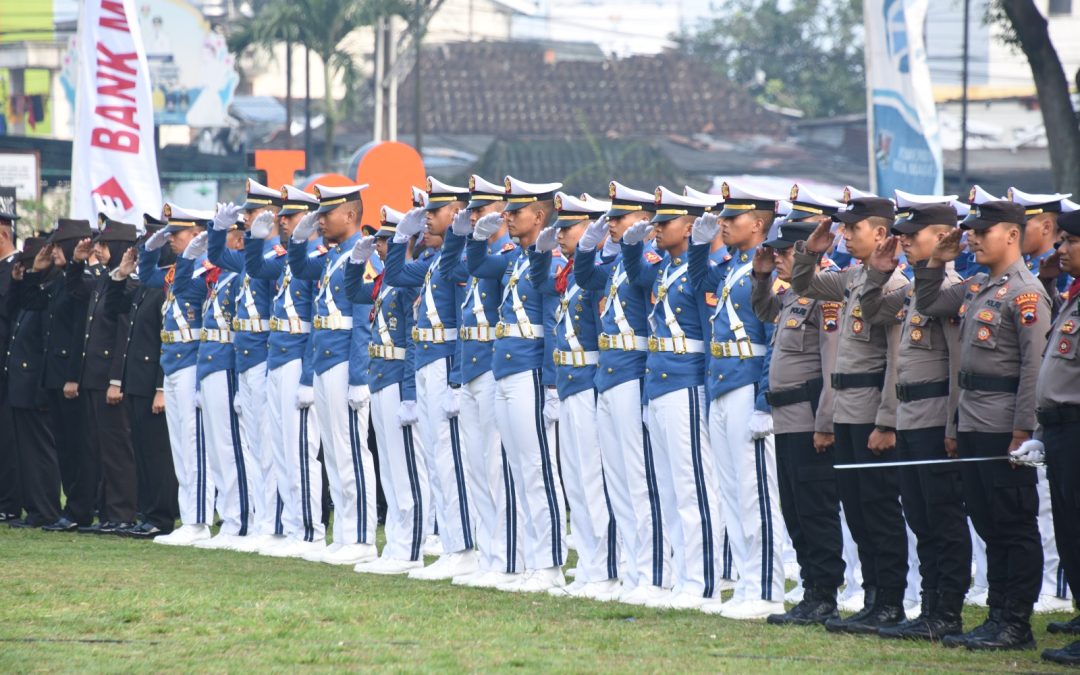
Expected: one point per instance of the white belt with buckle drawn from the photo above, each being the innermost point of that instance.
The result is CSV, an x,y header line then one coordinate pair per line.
x,y
335,322
478,333
386,353
743,349
514,330
623,341
575,359
251,325
169,337
676,345
436,335
290,326
215,335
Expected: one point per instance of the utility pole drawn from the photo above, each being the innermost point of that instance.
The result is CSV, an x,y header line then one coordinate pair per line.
x,y
307,109
418,120
964,99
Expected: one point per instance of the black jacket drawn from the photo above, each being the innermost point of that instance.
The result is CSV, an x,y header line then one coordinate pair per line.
x,y
65,319
25,356
105,336
7,316
141,367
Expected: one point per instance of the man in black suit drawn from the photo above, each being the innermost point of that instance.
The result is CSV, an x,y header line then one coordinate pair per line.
x,y
141,386
10,501
110,457
39,472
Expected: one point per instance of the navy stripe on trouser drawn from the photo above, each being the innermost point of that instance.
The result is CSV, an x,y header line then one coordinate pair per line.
x,y
702,495
511,513
728,561
545,465
765,513
459,472
279,527
238,454
414,488
200,470
1062,590
305,479
658,552
612,536
358,473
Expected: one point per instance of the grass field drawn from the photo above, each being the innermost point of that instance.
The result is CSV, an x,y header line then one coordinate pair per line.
x,y
85,603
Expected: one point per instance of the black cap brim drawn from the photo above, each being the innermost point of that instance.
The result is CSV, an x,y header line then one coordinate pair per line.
x,y
977,224
778,244
906,226
666,217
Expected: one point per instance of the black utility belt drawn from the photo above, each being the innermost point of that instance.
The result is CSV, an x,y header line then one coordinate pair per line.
x,y
906,393
804,393
1059,414
858,380
973,382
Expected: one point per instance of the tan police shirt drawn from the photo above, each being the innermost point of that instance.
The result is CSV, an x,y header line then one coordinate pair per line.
x,y
1059,377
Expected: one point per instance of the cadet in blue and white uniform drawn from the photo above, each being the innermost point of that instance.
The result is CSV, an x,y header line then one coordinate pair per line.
x,y
526,402
435,335
181,325
491,482
629,468
576,354
340,337
674,387
291,421
402,469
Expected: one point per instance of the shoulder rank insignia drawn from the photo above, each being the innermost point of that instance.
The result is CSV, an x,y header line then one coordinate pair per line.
x,y
711,300
280,250
507,247
652,257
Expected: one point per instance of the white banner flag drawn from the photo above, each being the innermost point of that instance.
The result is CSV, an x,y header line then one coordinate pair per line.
x,y
905,144
113,158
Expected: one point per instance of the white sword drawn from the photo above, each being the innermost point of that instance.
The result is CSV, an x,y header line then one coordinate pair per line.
x,y
922,462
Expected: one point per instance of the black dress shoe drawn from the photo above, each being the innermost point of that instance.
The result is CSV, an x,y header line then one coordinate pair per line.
x,y
62,525
1066,656
1070,627
23,524
7,517
90,529
144,531
114,527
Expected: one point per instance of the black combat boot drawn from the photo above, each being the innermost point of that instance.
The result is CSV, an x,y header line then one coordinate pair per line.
x,y
1066,656
1013,630
817,607
836,625
887,610
1070,627
926,610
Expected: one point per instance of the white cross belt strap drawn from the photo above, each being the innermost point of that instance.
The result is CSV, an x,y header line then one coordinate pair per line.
x,y
535,331
678,335
251,325
733,348
614,305
568,326
256,326
297,327
335,322
386,353
170,337
575,359
741,346
478,333
478,309
627,343
525,328
328,297
679,345
436,335
212,335
220,319
431,311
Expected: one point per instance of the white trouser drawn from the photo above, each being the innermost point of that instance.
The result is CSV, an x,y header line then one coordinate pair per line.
x,y
750,496
519,414
491,483
403,475
255,433
978,553
442,453
230,460
196,488
684,466
1053,581
630,475
913,592
350,468
591,516
852,564
294,436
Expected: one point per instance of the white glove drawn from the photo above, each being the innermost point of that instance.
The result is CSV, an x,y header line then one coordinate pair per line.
x,y
450,403
547,240
112,207
487,226
612,248
157,240
236,406
262,226
551,405
593,234
359,395
1030,453
462,223
198,398
196,247
760,424
305,396
226,216
406,413
637,232
306,226
705,229
412,224
362,250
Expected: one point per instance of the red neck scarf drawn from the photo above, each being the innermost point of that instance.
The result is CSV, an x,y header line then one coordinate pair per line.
x,y
563,277
1074,288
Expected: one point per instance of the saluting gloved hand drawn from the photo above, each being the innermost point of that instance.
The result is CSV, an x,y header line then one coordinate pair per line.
x,y
225,216
547,240
487,226
612,248
451,405
637,232
551,405
305,397
359,395
592,235
406,413
196,247
705,229
262,226
362,250
1030,453
306,226
462,225
760,424
157,240
412,224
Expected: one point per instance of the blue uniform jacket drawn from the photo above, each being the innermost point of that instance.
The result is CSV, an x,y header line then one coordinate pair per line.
x,y
216,355
445,293
250,345
396,307
283,346
184,296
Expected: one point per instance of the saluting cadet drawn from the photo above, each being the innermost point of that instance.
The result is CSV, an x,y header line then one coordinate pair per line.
x,y
1041,231
1004,319
803,354
402,469
251,326
740,421
180,337
927,362
525,379
630,471
340,340
864,411
435,335
491,482
674,387
292,423
576,354
10,498
1057,401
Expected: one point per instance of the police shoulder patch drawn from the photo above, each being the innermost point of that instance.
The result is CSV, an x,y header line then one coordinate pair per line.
x,y
1028,306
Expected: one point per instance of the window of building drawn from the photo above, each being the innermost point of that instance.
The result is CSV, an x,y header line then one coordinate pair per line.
x,y
1060,7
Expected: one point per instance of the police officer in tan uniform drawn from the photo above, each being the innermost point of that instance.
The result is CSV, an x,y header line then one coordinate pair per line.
x,y
1004,318
803,352
864,411
925,421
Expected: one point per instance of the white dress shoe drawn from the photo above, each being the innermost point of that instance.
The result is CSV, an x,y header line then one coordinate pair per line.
x,y
1048,604
602,591
218,542
851,603
493,580
977,596
725,585
293,548
317,555
751,610
571,590
642,595
271,542
432,545
570,572
466,579
684,601
244,544
350,554
448,566
715,606
537,581
388,566
185,535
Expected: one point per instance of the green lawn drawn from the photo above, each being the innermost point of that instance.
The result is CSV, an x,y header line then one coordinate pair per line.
x,y
79,602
